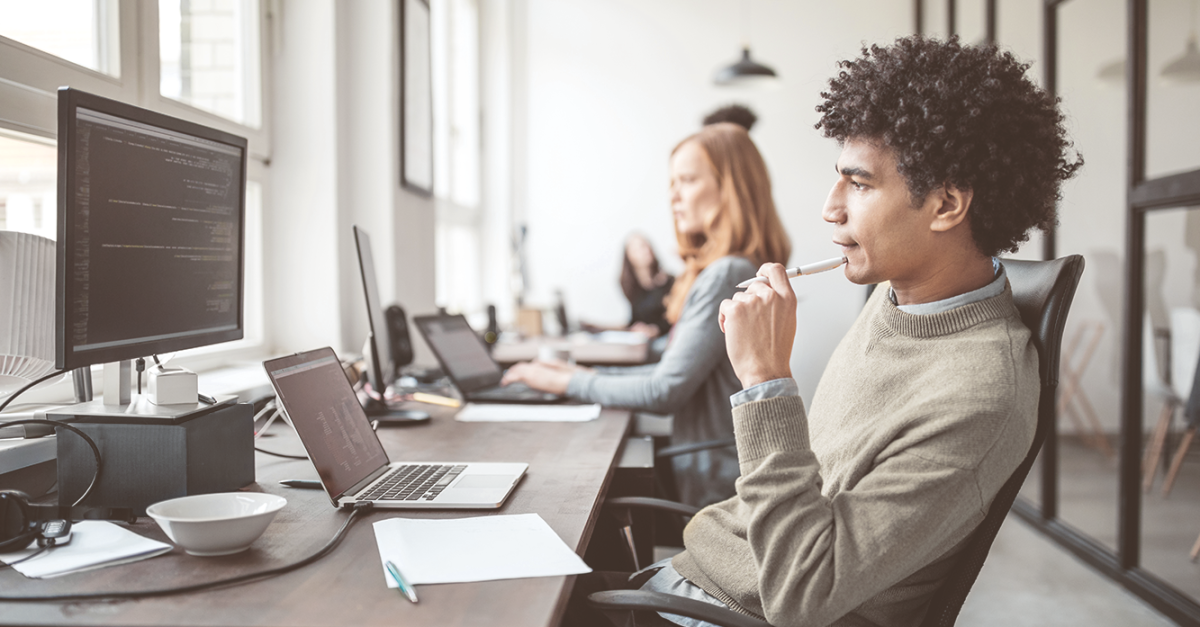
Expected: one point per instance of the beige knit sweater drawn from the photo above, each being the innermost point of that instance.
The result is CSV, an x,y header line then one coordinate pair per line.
x,y
852,514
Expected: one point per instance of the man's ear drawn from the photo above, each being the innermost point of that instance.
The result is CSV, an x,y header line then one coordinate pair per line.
x,y
950,206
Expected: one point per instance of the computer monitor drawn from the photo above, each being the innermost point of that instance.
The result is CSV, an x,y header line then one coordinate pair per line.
x,y
381,363
151,222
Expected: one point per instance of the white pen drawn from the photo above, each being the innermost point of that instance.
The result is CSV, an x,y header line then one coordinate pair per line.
x,y
812,268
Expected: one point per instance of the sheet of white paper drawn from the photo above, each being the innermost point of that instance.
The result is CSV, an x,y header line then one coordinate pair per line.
x,y
94,544
474,549
475,412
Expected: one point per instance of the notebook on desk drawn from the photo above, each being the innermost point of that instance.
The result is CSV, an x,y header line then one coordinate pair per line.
x,y
314,393
466,361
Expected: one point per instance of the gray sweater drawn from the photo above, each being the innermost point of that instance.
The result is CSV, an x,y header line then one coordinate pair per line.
x,y
852,513
693,381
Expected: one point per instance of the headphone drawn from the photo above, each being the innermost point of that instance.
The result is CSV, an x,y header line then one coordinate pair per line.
x,y
21,521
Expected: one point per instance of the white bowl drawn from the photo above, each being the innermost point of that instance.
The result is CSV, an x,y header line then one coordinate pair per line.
x,y
216,524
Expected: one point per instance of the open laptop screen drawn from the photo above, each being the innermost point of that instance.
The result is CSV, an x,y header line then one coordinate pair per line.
x,y
461,352
327,417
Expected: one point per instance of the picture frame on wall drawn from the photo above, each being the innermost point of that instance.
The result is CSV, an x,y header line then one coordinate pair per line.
x,y
416,98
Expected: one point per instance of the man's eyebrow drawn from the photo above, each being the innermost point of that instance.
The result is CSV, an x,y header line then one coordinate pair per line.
x,y
853,171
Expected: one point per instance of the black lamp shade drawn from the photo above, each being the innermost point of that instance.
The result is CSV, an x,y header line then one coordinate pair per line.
x,y
746,68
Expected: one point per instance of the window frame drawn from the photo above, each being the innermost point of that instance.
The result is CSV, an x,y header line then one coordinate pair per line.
x,y
29,82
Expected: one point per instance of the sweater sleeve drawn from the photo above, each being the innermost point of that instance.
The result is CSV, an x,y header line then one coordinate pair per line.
x,y
697,346
819,558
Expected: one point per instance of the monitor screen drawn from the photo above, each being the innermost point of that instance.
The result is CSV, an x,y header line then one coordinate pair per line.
x,y
381,369
151,216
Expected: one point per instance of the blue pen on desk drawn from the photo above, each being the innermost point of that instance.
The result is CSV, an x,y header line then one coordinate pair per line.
x,y
405,587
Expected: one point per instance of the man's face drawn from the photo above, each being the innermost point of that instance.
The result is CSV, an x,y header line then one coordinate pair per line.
x,y
883,237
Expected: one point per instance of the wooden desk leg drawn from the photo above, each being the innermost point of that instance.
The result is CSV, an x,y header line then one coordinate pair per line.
x,y
1176,463
1155,448
1071,391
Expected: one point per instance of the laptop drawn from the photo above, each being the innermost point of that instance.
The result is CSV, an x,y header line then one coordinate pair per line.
x,y
466,361
315,395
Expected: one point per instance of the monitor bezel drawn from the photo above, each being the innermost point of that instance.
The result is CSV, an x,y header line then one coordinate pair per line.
x,y
381,347
69,101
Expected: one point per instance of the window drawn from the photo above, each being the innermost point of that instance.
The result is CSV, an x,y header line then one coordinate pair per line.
x,y
209,56
457,153
28,170
83,32
201,62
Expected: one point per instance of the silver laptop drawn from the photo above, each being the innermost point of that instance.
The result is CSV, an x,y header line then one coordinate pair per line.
x,y
314,393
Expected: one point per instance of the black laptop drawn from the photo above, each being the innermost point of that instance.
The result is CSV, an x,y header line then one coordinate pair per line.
x,y
466,361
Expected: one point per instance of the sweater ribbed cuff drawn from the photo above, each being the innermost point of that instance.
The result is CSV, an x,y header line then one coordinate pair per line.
x,y
770,426
578,385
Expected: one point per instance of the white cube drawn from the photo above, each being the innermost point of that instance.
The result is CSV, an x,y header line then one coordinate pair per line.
x,y
173,386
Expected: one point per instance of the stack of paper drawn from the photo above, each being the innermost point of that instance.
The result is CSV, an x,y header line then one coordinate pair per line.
x,y
514,412
26,309
94,544
474,549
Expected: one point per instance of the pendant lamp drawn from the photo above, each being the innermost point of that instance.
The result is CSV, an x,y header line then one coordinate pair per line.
x,y
746,71
1185,68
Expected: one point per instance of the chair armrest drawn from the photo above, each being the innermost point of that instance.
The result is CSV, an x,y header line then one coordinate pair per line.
x,y
641,600
652,503
684,449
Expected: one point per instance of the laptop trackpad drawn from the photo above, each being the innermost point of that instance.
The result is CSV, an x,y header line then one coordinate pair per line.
x,y
485,481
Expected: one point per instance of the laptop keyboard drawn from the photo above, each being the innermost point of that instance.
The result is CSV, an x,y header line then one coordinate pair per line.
x,y
512,392
413,482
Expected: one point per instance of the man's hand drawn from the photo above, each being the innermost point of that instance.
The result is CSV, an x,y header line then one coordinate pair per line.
x,y
547,376
760,326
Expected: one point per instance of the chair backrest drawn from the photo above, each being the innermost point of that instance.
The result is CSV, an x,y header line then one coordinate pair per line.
x,y
1042,291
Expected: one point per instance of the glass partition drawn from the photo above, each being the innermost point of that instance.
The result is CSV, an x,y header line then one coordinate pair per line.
x,y
1171,468
1092,223
1173,88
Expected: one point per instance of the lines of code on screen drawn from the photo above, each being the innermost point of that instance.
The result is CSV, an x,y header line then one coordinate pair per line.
x,y
155,234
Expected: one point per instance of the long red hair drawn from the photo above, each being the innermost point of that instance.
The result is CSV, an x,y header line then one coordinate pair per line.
x,y
745,223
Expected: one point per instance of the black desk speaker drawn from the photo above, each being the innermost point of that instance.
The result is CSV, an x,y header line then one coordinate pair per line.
x,y
147,461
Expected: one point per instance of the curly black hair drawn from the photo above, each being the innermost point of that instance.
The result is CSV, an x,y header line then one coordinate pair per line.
x,y
958,115
736,113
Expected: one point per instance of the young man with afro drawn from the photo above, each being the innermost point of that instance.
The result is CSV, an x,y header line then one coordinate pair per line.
x,y
852,512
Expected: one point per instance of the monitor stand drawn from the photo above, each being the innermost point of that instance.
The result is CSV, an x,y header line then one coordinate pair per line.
x,y
379,410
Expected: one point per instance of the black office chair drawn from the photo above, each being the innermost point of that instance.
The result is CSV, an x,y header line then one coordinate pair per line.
x,y
1042,291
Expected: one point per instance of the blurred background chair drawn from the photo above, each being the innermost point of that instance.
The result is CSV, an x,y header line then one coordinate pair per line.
x,y
1042,291
26,309
1175,388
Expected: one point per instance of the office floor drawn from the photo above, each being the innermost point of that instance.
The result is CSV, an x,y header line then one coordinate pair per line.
x,y
1170,524
1029,580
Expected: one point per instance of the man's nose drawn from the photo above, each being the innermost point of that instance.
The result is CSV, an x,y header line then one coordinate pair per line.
x,y
834,210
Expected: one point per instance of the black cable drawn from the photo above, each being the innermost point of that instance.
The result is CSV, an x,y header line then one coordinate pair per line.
x,y
162,592
90,442
31,384
140,366
27,557
283,455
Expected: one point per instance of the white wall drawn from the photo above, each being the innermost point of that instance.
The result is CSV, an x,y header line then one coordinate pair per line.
x,y
614,85
336,154
301,257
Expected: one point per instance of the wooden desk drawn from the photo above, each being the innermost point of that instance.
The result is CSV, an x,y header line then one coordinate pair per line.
x,y
570,466
585,353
